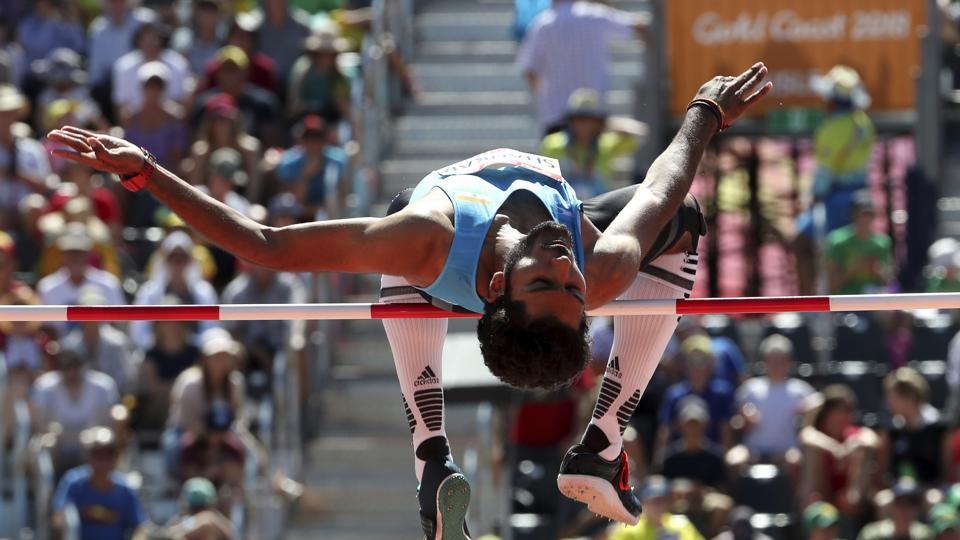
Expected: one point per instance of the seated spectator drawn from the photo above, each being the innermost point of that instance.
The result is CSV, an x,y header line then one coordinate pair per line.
x,y
158,124
13,61
30,237
943,266
717,394
77,274
200,42
281,34
259,111
150,45
108,508
945,521
171,354
175,273
221,127
24,166
262,71
741,528
915,440
227,176
22,343
284,210
591,143
693,456
821,521
770,407
316,83
730,364
215,382
859,260
656,521
199,517
904,514
68,400
313,169
111,36
839,457
47,28
107,349
63,77
259,285
77,181
216,453
77,215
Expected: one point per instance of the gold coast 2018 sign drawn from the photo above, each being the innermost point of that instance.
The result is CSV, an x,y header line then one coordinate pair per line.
x,y
796,39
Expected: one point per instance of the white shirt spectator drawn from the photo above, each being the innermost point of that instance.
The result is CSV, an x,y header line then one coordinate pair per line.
x,y
778,406
57,289
113,356
32,162
127,88
568,47
109,41
52,404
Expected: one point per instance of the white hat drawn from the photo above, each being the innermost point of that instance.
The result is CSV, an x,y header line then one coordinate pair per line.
x,y
217,340
841,83
152,70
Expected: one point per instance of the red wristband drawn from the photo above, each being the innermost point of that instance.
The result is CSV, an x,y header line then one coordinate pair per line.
x,y
714,108
138,181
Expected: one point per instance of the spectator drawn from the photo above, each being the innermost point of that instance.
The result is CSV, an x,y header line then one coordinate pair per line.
x,y
200,42
65,285
171,354
282,33
945,521
821,521
258,109
107,349
718,395
915,441
741,528
904,513
13,61
262,70
591,143
566,48
656,521
150,45
111,36
174,273
77,217
108,507
47,28
62,75
23,161
227,176
730,366
21,354
284,209
80,181
839,456
259,285
859,260
943,270
316,83
216,453
199,517
313,170
8,264
158,125
69,400
770,407
693,456
221,127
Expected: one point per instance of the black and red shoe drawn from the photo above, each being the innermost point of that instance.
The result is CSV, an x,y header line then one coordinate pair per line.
x,y
604,486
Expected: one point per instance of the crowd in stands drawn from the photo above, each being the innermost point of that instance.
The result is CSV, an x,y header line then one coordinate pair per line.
x,y
252,103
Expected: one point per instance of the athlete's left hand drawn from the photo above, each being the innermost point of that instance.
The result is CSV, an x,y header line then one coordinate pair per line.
x,y
736,95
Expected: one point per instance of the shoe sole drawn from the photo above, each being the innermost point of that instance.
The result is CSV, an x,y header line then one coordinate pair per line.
x,y
599,496
453,499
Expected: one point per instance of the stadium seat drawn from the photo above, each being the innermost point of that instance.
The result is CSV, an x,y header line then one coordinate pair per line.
x,y
931,336
864,378
859,338
766,489
935,372
793,327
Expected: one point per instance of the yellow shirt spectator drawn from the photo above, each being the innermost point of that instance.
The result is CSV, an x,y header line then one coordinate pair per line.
x,y
674,527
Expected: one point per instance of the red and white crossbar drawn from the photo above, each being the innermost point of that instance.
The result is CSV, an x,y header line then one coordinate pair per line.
x,y
284,312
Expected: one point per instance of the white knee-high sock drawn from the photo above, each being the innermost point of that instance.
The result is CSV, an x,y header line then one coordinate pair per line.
x,y
638,345
417,347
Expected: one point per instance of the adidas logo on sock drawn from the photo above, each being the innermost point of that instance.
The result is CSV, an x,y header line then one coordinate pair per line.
x,y
613,368
427,377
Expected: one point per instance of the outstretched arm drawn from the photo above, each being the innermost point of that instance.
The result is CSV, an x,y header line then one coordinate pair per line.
x,y
397,245
619,251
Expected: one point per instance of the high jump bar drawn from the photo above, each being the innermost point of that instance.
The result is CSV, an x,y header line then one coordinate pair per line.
x,y
360,311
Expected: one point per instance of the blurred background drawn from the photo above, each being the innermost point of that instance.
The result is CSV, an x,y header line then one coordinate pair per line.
x,y
846,181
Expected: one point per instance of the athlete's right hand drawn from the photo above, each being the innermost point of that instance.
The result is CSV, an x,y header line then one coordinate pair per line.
x,y
102,152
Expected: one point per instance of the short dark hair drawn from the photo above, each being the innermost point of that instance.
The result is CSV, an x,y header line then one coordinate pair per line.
x,y
530,353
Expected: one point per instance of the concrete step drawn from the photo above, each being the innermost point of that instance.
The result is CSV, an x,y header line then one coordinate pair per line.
x,y
480,103
456,149
462,126
445,25
498,77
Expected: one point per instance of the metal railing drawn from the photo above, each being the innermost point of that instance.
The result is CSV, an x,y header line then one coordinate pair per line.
x,y
43,485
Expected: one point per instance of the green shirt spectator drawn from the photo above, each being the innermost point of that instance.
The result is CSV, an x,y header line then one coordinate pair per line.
x,y
859,259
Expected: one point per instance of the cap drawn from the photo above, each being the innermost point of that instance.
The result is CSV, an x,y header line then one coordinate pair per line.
x,y
943,517
944,253
654,488
228,163
862,202
98,437
248,21
153,70
325,41
61,65
11,99
843,84
693,408
906,487
198,493
75,238
697,345
285,205
776,344
90,296
585,102
223,105
233,55
820,515
217,340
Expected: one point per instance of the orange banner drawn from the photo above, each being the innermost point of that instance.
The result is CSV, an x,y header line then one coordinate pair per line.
x,y
796,39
